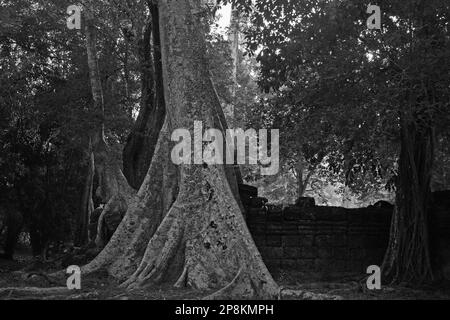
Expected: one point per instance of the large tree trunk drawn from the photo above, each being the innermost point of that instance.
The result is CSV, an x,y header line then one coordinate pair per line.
x,y
408,256
141,143
202,241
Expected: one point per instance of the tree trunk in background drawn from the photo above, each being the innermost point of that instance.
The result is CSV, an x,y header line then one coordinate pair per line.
x,y
203,241
87,205
141,143
126,71
234,39
346,197
408,256
302,179
13,224
113,187
301,182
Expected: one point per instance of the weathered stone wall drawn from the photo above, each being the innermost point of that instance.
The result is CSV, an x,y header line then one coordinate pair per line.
x,y
324,241
440,238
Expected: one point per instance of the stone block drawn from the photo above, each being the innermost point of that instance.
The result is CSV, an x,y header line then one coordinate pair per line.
x,y
325,252
306,240
291,241
274,228
260,240
340,253
292,252
330,240
272,252
309,252
273,264
273,240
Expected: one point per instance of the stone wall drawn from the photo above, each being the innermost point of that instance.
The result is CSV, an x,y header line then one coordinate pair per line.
x,y
320,241
440,237
327,242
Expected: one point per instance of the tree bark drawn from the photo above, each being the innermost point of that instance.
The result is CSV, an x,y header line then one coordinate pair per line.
x,y
141,142
87,204
234,39
123,253
408,255
14,224
113,187
302,179
202,241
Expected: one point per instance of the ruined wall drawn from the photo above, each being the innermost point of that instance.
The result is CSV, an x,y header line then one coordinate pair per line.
x,y
440,238
324,241
327,242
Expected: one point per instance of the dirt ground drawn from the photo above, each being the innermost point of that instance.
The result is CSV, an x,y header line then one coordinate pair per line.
x,y
19,274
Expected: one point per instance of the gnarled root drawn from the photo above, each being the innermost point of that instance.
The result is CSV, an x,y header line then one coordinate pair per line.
x,y
290,294
123,253
204,243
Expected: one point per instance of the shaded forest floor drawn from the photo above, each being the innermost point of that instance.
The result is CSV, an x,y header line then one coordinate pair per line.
x,y
101,287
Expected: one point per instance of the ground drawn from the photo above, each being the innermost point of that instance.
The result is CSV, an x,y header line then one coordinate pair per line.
x,y
100,286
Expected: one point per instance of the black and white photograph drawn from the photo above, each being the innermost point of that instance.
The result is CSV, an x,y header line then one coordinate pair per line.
x,y
225,157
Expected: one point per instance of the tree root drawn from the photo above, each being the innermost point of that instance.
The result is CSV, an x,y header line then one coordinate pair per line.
x,y
227,290
34,291
160,250
49,279
290,294
123,253
196,232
